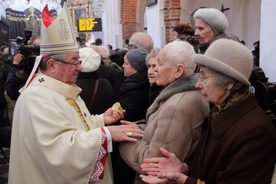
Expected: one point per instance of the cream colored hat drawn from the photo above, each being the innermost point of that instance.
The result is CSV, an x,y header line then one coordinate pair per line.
x,y
57,35
228,57
91,60
214,18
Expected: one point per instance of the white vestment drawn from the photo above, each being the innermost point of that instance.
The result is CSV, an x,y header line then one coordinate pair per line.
x,y
50,143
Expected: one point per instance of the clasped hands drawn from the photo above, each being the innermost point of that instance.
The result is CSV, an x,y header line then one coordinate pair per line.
x,y
161,170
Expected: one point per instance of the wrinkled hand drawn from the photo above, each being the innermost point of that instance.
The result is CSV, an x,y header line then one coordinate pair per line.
x,y
153,179
168,177
111,116
126,132
168,163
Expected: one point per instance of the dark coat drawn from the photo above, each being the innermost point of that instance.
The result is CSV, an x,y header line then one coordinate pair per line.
x,y
133,97
238,146
104,97
154,92
112,75
204,47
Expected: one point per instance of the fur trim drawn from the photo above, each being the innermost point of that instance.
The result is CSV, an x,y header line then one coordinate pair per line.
x,y
179,86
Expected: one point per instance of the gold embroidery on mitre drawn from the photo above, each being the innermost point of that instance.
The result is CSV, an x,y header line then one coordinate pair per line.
x,y
63,29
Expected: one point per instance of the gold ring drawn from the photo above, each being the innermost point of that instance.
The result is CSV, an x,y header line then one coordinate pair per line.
x,y
129,134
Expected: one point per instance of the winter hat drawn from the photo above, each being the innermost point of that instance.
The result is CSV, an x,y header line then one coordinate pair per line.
x,y
214,18
228,57
91,60
184,29
137,59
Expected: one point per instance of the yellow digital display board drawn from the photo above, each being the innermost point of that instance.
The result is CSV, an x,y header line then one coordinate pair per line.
x,y
89,24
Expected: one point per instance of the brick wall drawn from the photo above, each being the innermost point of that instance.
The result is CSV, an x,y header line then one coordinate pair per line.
x,y
128,17
172,11
171,16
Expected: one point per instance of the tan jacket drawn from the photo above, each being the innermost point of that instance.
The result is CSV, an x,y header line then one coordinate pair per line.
x,y
173,122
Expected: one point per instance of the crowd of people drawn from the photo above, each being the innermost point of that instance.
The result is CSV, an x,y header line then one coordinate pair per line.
x,y
186,113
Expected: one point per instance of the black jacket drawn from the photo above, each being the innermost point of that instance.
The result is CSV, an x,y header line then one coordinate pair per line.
x,y
133,97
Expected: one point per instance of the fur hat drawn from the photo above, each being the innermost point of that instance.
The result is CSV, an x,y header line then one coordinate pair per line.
x,y
137,59
91,60
228,57
57,35
214,18
184,29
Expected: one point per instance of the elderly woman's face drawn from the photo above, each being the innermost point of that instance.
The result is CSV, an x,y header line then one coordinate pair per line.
x,y
203,31
212,91
151,73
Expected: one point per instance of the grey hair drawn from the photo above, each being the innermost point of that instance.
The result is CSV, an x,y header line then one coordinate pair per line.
x,y
43,62
153,53
181,52
104,51
222,80
141,40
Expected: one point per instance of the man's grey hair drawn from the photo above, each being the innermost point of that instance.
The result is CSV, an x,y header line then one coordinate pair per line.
x,y
43,62
181,52
141,40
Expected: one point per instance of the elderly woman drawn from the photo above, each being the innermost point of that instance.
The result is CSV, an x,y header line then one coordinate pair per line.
x,y
151,61
210,25
238,139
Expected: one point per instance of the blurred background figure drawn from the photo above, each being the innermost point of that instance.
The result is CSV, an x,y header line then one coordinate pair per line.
x,y
181,30
256,53
106,71
125,44
97,93
185,32
119,57
141,40
98,42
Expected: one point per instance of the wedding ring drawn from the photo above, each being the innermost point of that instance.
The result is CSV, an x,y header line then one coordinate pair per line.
x,y
129,134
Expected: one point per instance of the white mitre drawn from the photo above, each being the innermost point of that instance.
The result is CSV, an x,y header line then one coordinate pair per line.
x,y
57,37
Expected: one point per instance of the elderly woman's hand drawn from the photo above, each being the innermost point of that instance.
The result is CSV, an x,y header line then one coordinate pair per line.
x,y
126,132
167,177
168,163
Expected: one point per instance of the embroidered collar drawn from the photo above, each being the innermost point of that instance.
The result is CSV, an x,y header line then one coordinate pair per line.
x,y
71,91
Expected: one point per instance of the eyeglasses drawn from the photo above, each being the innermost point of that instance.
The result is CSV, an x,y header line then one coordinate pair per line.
x,y
132,46
203,78
78,62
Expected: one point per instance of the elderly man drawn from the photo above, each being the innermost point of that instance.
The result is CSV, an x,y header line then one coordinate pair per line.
x,y
54,137
210,25
141,40
174,119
